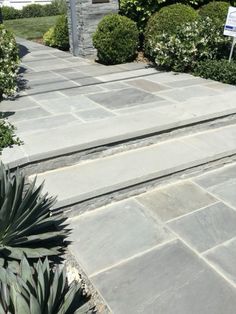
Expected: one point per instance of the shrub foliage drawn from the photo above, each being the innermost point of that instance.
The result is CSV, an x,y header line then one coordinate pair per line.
x,y
216,10
167,20
218,70
7,135
189,44
9,61
58,36
116,39
10,13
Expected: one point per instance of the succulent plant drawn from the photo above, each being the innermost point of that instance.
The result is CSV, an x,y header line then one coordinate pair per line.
x,y
28,227
41,290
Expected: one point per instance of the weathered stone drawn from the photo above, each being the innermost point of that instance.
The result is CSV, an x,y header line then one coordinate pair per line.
x,y
175,200
115,233
208,227
166,280
87,17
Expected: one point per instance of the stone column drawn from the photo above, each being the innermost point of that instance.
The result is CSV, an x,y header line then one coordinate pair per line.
x,y
83,18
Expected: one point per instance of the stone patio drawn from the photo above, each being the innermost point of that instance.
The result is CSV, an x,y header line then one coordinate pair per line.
x,y
144,164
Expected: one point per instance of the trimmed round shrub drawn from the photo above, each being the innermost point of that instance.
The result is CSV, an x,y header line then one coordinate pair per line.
x,y
10,13
217,11
61,33
49,38
116,39
9,61
167,20
218,70
191,43
32,10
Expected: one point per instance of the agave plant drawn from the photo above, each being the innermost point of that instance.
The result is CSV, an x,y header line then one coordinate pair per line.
x,y
27,225
41,290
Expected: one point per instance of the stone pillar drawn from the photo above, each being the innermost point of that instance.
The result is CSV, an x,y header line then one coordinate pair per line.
x,y
83,18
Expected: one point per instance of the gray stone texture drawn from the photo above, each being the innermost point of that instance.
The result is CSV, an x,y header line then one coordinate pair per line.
x,y
166,280
113,234
175,200
124,98
223,257
206,228
88,16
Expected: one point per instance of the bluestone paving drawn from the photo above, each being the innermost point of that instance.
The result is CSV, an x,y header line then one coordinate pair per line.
x,y
125,98
223,257
176,200
206,228
122,170
32,113
113,234
46,123
94,114
168,279
147,85
139,267
183,94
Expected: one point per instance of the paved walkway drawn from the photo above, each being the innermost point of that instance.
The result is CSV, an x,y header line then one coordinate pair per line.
x,y
93,132
66,96
169,251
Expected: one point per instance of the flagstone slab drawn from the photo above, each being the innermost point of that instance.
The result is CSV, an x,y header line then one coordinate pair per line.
x,y
206,228
167,280
223,258
176,200
113,234
124,98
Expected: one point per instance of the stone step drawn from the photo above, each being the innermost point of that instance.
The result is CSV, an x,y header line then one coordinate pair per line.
x,y
67,145
91,183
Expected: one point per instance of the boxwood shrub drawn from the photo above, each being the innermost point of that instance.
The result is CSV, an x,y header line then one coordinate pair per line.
x,y
218,70
167,20
116,39
216,10
9,61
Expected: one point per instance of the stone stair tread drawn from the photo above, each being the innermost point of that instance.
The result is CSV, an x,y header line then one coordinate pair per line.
x,y
100,176
65,140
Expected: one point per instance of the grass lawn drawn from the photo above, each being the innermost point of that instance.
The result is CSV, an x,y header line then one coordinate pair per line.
x,y
31,28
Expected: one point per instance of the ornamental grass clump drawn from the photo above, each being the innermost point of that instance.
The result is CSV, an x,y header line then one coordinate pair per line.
x,y
9,62
28,227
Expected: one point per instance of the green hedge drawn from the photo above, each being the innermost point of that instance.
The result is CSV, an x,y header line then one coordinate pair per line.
x,y
57,7
116,39
215,10
166,21
7,135
218,70
189,44
9,61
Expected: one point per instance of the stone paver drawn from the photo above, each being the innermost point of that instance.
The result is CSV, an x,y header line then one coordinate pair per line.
x,y
171,250
116,233
169,280
208,227
176,200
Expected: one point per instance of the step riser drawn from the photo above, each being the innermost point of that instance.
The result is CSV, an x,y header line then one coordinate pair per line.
x,y
122,146
142,187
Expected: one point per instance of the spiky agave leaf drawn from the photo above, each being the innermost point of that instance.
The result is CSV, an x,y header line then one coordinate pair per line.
x,y
40,290
27,225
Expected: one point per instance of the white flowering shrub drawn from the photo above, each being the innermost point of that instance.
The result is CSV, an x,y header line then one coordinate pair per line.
x,y
188,44
9,61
